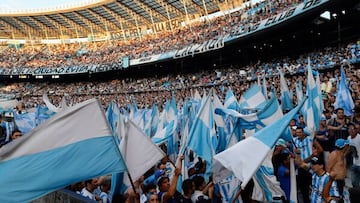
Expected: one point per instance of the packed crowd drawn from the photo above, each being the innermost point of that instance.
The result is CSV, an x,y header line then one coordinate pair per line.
x,y
324,162
327,167
159,89
327,164
106,52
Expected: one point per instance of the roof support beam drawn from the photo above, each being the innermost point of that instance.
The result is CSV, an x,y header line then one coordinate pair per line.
x,y
12,28
149,10
133,14
178,12
27,27
105,21
73,24
118,17
60,26
90,23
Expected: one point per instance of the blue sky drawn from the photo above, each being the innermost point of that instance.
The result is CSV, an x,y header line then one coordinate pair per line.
x,y
33,4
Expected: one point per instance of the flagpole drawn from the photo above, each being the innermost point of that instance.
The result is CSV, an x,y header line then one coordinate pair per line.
x,y
131,182
122,158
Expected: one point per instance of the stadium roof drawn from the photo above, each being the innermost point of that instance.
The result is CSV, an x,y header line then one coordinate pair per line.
x,y
84,17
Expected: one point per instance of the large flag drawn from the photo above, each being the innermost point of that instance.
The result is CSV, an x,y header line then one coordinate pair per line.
x,y
312,105
74,145
202,133
286,96
138,151
230,100
247,162
266,187
47,102
343,96
264,88
25,121
253,98
43,113
6,105
265,116
299,91
112,115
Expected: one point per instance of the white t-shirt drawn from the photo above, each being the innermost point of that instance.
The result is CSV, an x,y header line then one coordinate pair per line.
x,y
356,143
84,192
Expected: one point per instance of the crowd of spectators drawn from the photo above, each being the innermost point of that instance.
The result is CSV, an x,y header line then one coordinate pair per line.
x,y
106,52
330,146
159,89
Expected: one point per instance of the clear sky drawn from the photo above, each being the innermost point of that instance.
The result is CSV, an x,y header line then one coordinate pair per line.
x,y
35,4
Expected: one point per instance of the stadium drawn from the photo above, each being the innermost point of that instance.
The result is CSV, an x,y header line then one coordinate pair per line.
x,y
198,84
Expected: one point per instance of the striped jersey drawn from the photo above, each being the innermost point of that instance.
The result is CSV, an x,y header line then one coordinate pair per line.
x,y
318,184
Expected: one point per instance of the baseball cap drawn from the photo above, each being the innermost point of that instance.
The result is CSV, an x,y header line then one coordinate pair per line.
x,y
281,142
154,177
341,143
323,118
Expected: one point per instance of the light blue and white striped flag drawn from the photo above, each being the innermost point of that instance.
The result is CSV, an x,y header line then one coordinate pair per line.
x,y
25,121
202,134
230,100
253,98
245,166
343,96
56,153
267,115
228,188
286,97
42,114
264,88
266,185
299,91
112,115
312,112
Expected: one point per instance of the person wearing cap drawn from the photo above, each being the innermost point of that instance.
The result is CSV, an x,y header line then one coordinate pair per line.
x,y
320,179
354,141
280,148
336,164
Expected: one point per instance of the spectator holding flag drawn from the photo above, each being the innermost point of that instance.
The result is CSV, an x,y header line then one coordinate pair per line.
x,y
303,147
319,180
167,190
